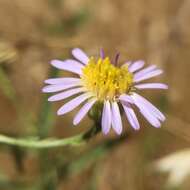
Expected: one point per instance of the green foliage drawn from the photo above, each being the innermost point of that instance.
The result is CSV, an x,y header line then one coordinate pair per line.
x,y
6,86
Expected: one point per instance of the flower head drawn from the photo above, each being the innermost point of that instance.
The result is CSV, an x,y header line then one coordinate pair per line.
x,y
104,81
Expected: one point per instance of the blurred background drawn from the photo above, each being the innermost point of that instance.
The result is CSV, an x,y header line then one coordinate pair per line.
x,y
32,32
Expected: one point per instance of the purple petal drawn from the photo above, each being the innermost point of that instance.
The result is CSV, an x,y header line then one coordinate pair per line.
x,y
80,55
145,70
68,65
132,118
65,94
147,113
136,66
152,86
116,118
102,54
126,98
69,106
83,111
65,80
116,59
155,111
106,117
59,87
148,75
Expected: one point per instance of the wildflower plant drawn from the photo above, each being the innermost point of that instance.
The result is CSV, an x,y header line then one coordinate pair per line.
x,y
103,89
104,82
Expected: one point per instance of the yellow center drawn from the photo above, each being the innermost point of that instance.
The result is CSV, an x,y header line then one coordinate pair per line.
x,y
105,80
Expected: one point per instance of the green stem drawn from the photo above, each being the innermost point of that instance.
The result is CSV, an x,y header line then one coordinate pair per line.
x,y
36,143
45,123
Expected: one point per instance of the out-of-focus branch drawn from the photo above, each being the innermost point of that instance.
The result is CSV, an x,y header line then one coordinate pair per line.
x,y
6,86
177,127
77,165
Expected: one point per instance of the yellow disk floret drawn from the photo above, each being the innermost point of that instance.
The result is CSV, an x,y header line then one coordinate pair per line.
x,y
105,80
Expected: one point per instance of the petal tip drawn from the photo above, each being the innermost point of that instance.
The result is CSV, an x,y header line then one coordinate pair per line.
x,y
75,49
105,132
75,122
53,62
118,132
59,112
46,81
50,99
157,125
44,90
137,128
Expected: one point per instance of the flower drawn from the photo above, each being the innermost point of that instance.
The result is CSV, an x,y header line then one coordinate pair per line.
x,y
104,81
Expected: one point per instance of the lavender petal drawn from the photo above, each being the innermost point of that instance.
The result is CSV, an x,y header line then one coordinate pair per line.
x,y
136,66
83,111
132,118
155,111
146,112
116,118
65,94
59,87
148,75
65,80
80,55
145,70
68,65
69,106
106,117
126,98
152,86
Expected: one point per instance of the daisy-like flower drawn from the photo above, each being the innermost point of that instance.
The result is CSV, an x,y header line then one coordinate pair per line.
x,y
102,80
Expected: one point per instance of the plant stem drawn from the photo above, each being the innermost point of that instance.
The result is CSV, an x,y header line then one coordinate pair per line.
x,y
36,143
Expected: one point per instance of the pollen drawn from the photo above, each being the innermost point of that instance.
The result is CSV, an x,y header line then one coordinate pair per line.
x,y
105,80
